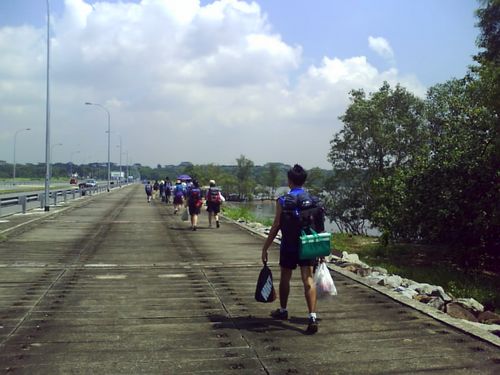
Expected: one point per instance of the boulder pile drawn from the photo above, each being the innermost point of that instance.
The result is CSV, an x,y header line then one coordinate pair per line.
x,y
435,296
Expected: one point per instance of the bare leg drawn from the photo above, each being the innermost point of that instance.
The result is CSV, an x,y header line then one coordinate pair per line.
x,y
286,275
309,287
209,218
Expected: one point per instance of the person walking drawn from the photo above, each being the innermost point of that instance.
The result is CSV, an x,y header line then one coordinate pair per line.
x,y
214,200
156,186
195,202
149,191
162,190
294,212
168,190
179,194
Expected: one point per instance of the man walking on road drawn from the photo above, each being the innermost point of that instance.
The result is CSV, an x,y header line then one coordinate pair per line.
x,y
287,219
149,190
214,199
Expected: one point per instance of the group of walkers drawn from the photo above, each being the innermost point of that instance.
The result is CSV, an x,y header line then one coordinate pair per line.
x,y
295,212
188,194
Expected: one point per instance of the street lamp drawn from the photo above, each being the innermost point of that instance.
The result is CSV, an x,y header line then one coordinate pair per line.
x,y
15,140
71,161
120,146
109,139
126,153
47,117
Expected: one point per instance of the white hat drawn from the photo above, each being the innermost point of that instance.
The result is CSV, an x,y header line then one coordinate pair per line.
x,y
211,182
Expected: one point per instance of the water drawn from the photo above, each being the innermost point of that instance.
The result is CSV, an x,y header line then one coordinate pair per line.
x,y
267,210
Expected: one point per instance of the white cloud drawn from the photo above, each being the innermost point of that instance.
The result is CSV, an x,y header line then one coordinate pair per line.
x,y
181,81
381,46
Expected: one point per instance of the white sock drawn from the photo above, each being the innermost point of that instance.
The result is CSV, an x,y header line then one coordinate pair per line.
x,y
283,309
312,315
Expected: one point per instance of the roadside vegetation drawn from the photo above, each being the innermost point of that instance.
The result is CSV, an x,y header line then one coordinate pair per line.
x,y
425,264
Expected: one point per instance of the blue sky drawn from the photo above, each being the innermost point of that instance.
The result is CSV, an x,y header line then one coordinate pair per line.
x,y
235,75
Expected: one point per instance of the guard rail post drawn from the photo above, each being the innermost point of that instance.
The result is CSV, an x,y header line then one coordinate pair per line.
x,y
65,196
41,199
54,195
73,193
22,202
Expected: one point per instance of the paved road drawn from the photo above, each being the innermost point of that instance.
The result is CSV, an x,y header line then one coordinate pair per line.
x,y
117,286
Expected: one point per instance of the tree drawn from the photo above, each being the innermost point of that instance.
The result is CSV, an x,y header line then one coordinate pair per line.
x,y
244,173
272,177
316,180
382,132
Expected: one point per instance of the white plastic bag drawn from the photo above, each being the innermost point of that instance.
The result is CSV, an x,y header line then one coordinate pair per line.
x,y
325,287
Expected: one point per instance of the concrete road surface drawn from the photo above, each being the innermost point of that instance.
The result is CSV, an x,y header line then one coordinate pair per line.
x,y
115,285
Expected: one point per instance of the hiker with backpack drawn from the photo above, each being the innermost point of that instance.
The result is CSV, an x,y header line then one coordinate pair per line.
x,y
162,190
295,212
149,191
179,194
214,200
195,202
156,187
168,190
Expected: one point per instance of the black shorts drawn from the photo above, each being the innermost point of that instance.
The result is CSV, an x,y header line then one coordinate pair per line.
x,y
178,199
290,260
213,207
193,210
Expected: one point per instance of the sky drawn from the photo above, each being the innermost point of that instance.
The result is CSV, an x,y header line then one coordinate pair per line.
x,y
208,81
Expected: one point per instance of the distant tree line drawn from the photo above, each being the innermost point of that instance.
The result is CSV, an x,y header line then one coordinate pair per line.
x,y
426,170
244,178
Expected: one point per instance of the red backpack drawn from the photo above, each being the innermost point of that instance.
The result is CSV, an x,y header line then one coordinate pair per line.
x,y
214,195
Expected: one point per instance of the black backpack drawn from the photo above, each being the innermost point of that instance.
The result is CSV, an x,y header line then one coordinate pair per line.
x,y
301,212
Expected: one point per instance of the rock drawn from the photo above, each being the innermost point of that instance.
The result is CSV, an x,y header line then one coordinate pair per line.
x,y
470,304
408,293
439,292
351,267
489,317
364,272
424,298
392,281
456,310
436,302
352,258
422,288
380,270
407,282
332,258
374,279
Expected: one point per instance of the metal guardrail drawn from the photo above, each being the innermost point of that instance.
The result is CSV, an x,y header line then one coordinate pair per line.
x,y
24,201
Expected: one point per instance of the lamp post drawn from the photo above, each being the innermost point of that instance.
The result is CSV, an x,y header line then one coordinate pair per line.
x,y
14,162
109,138
120,146
126,153
71,161
47,117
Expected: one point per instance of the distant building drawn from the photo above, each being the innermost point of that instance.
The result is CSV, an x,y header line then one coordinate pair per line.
x,y
3,162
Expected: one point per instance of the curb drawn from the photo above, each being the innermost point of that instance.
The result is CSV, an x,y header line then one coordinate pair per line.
x,y
438,315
